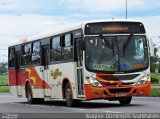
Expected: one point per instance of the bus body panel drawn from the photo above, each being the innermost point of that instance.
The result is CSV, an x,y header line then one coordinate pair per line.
x,y
60,72
57,73
46,80
31,75
104,93
15,82
128,87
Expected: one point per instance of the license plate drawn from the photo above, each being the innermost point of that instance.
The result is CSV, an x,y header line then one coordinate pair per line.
x,y
120,94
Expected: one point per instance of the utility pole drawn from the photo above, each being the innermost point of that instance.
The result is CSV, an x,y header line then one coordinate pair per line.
x,y
126,10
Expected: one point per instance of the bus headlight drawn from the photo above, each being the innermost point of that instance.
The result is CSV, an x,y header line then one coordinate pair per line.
x,y
143,80
94,82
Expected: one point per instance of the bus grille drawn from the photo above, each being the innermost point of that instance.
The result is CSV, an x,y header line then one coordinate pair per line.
x,y
115,84
118,77
121,90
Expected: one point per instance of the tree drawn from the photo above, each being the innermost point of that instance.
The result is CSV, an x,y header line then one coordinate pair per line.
x,y
3,68
156,59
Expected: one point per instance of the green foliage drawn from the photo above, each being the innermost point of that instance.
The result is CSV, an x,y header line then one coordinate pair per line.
x,y
155,92
4,90
3,69
155,75
3,80
155,78
154,66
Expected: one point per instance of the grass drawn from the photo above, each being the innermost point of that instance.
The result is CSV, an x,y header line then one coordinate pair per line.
x,y
4,90
155,76
3,80
155,92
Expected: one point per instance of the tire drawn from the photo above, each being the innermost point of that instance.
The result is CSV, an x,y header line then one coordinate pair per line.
x,y
30,98
29,94
126,100
68,96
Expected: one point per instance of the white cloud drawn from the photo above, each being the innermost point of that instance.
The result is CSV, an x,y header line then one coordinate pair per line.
x,y
95,5
152,25
136,5
111,5
13,28
23,6
153,28
29,24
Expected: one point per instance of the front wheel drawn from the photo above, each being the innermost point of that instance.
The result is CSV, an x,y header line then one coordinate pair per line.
x,y
68,96
126,100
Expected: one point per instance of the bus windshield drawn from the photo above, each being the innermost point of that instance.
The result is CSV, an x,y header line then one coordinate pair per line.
x,y
116,53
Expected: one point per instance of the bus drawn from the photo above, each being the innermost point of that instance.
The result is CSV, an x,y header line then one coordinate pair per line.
x,y
91,60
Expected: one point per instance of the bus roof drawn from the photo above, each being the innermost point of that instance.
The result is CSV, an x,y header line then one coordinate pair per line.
x,y
63,30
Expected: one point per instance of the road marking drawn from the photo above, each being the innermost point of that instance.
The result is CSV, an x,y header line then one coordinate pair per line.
x,y
73,108
49,106
89,110
68,108
111,112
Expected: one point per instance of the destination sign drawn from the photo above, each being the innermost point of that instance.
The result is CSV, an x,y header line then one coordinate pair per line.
x,y
114,28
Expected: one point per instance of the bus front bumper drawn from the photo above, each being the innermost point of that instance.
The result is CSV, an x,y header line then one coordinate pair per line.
x,y
112,92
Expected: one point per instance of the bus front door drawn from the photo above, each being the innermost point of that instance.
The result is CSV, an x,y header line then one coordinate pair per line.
x,y
45,70
79,59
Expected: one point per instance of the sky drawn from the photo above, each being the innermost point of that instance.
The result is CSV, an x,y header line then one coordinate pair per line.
x,y
24,18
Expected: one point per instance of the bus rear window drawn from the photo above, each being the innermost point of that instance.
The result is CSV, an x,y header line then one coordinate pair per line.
x,y
11,57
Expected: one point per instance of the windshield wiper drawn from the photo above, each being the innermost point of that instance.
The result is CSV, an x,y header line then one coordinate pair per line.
x,y
127,43
107,43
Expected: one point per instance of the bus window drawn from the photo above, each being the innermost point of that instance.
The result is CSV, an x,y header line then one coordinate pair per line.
x,y
55,49
67,49
11,57
26,54
36,53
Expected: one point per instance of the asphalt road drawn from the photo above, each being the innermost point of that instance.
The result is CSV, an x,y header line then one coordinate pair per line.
x,y
12,104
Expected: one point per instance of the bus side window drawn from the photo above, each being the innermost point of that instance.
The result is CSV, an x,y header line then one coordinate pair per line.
x,y
55,49
36,53
26,60
67,50
11,57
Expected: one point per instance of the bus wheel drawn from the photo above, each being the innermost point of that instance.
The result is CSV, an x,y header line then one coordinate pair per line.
x,y
126,100
68,96
29,94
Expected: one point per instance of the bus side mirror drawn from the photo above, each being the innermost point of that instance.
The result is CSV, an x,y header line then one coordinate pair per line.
x,y
82,45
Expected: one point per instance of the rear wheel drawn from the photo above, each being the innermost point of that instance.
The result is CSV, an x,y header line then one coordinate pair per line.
x,y
29,94
126,100
68,95
30,98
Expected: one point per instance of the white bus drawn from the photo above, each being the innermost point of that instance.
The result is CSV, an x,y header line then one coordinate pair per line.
x,y
93,60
